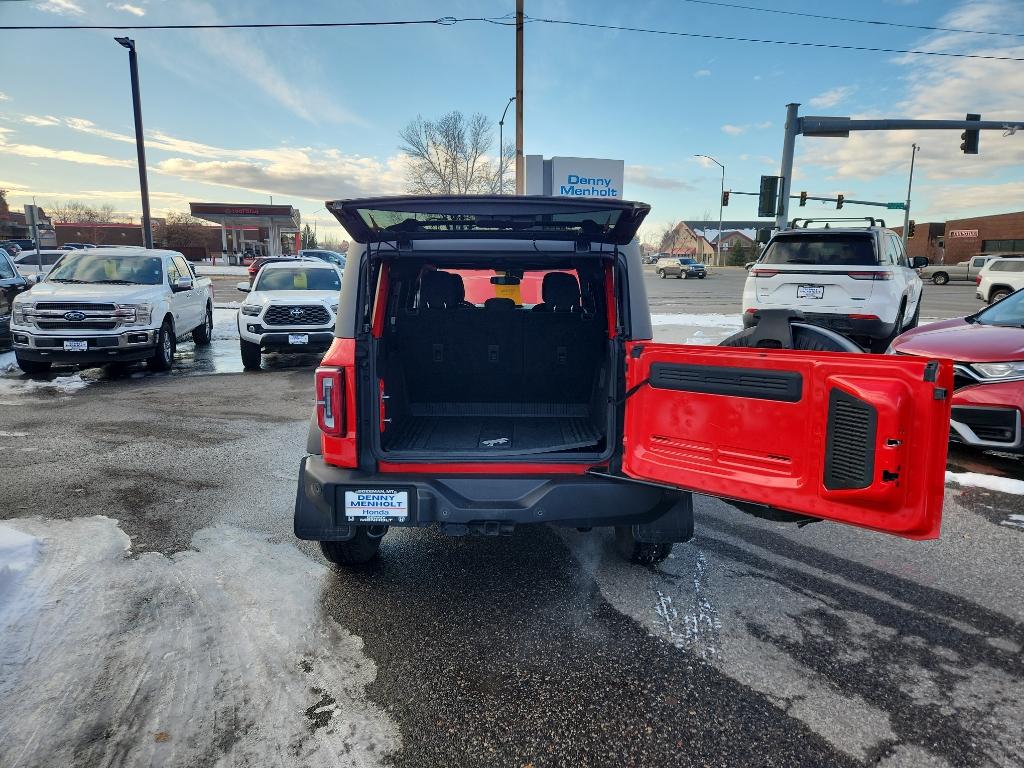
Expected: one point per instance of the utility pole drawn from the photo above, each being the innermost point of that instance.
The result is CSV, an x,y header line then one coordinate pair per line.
x,y
140,144
520,180
501,147
786,171
906,208
721,200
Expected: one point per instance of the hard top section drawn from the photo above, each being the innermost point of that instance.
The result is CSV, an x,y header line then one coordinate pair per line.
x,y
495,217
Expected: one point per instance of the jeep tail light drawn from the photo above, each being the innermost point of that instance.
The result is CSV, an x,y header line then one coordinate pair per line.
x,y
870,275
764,272
330,400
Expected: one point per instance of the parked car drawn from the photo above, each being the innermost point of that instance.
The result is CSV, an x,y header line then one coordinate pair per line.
x,y
12,247
680,266
112,305
291,307
331,257
478,416
650,258
12,285
988,350
258,263
857,281
76,246
940,274
999,278
37,263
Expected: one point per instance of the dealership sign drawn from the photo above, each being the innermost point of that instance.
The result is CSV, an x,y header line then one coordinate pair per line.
x,y
574,176
963,233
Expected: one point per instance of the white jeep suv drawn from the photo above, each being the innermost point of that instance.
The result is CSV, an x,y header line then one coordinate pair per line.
x,y
857,281
291,307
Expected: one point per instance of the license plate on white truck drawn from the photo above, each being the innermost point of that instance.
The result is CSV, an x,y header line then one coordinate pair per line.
x,y
76,346
377,505
298,338
810,291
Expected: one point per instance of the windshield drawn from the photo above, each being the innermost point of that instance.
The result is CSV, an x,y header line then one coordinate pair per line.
x,y
298,280
824,250
687,261
1009,311
98,267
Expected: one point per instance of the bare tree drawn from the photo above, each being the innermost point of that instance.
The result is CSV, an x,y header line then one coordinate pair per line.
x,y
180,230
450,155
77,212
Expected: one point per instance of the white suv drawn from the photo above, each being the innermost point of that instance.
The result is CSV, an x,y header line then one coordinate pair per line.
x,y
291,307
857,281
999,278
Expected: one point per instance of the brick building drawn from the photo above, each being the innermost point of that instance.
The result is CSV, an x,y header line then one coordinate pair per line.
x,y
927,241
1001,233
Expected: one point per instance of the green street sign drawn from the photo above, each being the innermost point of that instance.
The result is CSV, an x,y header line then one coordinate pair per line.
x,y
895,206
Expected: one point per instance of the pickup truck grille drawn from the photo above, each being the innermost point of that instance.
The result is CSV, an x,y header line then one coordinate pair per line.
x,y
65,306
297,314
90,325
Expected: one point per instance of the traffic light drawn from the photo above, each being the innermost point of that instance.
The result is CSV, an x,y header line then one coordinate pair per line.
x,y
969,143
725,197
768,199
839,201
910,228
803,198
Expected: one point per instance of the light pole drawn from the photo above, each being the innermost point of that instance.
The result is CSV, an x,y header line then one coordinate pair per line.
x,y
501,147
721,199
140,145
914,149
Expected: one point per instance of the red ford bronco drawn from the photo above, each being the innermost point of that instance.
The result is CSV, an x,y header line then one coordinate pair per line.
x,y
493,366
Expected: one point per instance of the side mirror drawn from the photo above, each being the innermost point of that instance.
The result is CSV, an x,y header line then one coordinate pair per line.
x,y
182,284
244,287
34,278
918,262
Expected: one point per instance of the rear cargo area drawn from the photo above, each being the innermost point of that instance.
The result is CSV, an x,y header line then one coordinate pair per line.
x,y
461,379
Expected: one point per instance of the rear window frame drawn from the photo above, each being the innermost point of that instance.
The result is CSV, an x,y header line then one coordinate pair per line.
x,y
819,236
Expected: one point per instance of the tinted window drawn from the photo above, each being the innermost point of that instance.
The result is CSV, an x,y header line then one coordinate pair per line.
x,y
183,267
1010,311
979,262
822,249
1007,266
100,267
6,268
899,257
298,280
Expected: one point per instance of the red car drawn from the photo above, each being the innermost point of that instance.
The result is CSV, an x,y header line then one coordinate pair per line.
x,y
988,352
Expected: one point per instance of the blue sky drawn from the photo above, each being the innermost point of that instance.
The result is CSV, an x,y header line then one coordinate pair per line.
x,y
306,115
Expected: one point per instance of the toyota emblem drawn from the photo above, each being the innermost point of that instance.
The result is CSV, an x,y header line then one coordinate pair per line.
x,y
295,312
74,317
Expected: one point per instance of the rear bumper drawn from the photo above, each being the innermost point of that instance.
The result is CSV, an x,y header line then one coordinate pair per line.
x,y
844,324
475,504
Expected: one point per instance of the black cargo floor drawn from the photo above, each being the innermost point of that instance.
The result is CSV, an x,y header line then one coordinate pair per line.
x,y
507,435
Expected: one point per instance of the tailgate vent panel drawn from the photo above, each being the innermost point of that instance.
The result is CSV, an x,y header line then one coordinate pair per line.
x,y
850,444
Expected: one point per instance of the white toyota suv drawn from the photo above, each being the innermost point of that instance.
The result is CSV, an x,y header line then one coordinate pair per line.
x,y
857,281
291,307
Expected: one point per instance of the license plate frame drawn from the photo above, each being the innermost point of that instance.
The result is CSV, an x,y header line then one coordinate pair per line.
x,y
298,339
76,345
810,291
376,505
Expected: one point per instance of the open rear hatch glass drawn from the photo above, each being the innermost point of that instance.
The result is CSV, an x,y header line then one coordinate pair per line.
x,y
473,217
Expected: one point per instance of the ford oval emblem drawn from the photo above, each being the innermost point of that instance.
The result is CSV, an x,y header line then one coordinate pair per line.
x,y
74,317
295,312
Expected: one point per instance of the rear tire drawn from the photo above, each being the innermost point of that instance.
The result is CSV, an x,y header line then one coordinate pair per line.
x,y
701,276
999,295
251,355
805,336
32,367
940,278
163,356
203,335
661,273
358,550
638,552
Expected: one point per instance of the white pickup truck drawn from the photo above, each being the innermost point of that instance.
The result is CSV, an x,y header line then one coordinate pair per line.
x,y
112,305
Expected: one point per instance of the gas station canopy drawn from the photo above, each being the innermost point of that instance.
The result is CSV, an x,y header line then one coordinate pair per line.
x,y
276,219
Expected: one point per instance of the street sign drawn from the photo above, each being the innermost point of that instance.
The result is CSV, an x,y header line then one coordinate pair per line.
x,y
895,206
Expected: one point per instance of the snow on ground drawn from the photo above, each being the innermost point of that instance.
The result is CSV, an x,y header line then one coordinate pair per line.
x,y
18,552
706,320
220,654
692,328
62,385
988,482
205,270
7,362
225,324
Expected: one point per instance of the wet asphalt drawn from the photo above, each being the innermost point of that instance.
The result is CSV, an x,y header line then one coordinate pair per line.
x,y
757,644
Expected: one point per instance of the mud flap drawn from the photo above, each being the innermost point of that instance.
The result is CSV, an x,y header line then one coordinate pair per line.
x,y
674,527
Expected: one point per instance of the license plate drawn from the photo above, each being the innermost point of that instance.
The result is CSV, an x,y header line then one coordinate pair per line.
x,y
810,291
76,346
298,338
377,505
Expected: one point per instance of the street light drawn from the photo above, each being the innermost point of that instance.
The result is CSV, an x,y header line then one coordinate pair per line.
x,y
718,244
501,147
140,145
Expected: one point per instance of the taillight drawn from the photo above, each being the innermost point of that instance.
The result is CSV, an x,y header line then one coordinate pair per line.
x,y
870,275
330,399
977,279
764,272
863,317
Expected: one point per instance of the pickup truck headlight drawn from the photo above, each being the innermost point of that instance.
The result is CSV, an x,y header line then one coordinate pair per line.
x,y
251,309
1000,371
22,312
134,314
334,309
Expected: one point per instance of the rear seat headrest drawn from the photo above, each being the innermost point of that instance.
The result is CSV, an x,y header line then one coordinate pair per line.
x,y
501,305
458,288
560,291
437,290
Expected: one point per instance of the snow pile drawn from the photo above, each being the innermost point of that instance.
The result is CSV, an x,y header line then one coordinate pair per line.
x,y
708,320
7,362
18,552
988,482
225,324
205,270
64,385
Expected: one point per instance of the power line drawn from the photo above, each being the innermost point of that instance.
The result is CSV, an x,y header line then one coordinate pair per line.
x,y
924,27
835,46
443,21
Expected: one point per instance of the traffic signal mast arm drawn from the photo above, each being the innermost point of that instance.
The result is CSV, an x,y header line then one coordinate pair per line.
x,y
846,200
841,126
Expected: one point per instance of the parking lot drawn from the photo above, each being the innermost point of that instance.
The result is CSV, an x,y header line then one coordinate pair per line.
x,y
167,615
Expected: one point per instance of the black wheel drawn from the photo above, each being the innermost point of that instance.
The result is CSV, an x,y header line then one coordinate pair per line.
x,y
809,337
940,278
998,295
32,367
358,550
639,552
163,356
251,355
203,335
661,273
701,276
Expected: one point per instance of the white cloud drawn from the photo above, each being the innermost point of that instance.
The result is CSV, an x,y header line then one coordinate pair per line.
x,y
832,96
61,7
702,73
654,178
4,96
950,202
733,130
67,155
134,10
41,120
